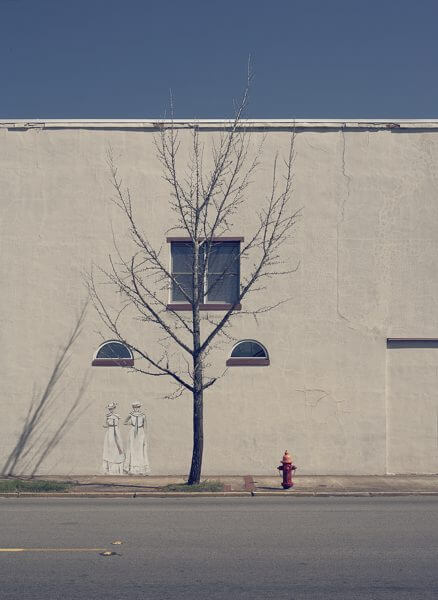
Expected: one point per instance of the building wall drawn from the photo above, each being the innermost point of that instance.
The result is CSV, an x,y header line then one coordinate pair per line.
x,y
412,407
333,395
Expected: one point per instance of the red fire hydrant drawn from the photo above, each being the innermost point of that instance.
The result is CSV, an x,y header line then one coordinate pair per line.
x,y
287,467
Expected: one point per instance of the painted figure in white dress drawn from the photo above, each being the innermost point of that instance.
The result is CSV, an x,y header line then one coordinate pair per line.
x,y
137,462
113,454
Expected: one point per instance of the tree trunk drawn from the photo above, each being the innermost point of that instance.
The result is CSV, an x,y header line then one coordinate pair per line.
x,y
198,406
198,423
198,438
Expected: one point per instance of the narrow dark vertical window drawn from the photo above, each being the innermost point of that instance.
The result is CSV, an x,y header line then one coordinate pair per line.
x,y
222,282
182,270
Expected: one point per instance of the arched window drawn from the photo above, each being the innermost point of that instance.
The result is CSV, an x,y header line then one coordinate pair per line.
x,y
113,354
248,353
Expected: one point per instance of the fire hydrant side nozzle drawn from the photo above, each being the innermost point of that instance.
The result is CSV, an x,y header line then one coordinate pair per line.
x,y
287,467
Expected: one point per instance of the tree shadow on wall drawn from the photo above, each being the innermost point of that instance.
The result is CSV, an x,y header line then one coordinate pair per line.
x,y
37,440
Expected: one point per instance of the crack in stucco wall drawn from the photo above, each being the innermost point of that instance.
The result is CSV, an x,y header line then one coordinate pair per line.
x,y
340,220
318,148
312,400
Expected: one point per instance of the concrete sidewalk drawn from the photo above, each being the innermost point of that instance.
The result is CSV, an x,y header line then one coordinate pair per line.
x,y
305,485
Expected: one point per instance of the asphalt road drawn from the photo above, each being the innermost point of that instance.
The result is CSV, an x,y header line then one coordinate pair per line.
x,y
217,548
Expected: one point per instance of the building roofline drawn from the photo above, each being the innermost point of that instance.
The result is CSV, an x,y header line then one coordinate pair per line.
x,y
220,123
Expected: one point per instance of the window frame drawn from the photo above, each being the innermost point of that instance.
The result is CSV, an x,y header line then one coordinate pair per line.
x,y
206,305
112,362
248,361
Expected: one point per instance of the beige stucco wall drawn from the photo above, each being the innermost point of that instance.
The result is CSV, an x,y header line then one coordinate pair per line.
x,y
412,409
367,243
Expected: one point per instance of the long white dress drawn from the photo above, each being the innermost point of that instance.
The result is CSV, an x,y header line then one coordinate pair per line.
x,y
113,455
137,462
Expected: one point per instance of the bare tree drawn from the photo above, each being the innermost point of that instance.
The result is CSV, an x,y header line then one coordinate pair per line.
x,y
205,197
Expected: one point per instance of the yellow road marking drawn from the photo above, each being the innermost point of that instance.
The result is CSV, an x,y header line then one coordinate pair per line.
x,y
52,549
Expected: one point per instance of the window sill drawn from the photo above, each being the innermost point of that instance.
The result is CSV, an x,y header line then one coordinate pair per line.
x,y
209,306
248,362
213,239
113,362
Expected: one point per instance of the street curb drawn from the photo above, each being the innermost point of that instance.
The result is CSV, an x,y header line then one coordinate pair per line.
x,y
242,494
346,494
133,494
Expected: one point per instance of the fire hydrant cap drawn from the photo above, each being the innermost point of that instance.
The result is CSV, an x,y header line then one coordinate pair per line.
x,y
287,458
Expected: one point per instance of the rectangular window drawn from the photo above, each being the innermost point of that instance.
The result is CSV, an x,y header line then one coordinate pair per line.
x,y
221,282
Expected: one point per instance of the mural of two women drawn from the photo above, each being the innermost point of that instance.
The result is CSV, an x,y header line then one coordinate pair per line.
x,y
135,460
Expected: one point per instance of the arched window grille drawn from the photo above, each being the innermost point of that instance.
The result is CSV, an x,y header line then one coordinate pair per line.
x,y
113,354
248,353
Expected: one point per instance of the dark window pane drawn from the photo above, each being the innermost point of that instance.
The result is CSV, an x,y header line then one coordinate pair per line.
x,y
257,350
223,288
114,350
242,350
224,257
182,256
185,282
248,350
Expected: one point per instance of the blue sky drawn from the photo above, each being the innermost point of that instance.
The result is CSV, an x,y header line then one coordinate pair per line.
x,y
312,58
